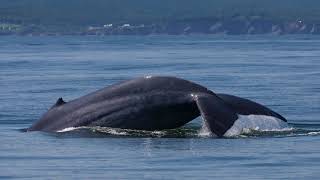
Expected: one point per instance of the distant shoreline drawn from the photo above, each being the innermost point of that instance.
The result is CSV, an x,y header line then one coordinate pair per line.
x,y
239,25
145,17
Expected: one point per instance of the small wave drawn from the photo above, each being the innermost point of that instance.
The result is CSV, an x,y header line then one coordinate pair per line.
x,y
106,131
246,130
35,44
314,133
129,132
112,131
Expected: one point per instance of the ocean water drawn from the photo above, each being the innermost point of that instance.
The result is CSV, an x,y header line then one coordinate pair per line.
x,y
281,72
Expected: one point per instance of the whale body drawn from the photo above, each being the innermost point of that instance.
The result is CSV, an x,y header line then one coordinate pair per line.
x,y
151,103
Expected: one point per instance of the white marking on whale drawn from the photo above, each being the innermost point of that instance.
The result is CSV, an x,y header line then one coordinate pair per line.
x,y
194,96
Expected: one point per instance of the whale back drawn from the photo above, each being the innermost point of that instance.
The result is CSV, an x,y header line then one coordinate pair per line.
x,y
142,85
149,84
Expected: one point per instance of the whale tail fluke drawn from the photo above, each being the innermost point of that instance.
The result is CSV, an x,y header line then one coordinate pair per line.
x,y
217,115
246,107
220,111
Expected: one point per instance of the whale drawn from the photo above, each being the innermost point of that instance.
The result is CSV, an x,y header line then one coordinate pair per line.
x,y
152,103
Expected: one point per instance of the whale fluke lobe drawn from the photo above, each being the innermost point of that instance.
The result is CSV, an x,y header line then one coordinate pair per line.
x,y
217,115
247,107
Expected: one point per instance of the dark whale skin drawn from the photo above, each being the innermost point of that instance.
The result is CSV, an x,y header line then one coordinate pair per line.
x,y
148,103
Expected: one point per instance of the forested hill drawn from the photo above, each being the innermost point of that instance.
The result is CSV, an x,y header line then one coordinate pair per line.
x,y
100,12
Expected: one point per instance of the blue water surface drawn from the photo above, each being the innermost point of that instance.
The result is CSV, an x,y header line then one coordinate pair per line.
x,y
281,72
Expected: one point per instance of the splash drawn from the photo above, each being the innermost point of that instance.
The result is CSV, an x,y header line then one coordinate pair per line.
x,y
204,131
315,133
112,131
248,123
244,127
127,132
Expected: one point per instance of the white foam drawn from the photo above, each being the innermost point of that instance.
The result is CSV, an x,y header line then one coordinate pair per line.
x,y
314,133
205,131
116,132
158,133
108,130
247,123
68,129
